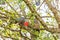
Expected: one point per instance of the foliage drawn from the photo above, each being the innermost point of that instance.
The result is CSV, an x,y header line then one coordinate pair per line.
x,y
10,29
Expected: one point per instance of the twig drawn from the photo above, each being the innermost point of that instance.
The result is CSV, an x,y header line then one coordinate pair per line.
x,y
11,7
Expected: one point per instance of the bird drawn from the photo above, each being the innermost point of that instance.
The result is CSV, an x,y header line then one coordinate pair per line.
x,y
20,20
23,22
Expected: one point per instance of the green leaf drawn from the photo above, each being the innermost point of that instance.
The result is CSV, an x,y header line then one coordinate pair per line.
x,y
19,1
22,5
1,22
2,1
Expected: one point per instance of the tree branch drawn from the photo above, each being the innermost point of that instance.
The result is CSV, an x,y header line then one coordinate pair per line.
x,y
36,14
11,7
52,30
55,12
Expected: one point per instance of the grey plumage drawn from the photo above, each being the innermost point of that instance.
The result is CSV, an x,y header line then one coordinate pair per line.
x,y
20,20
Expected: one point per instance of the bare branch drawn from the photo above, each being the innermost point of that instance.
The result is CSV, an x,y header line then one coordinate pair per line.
x,y
36,14
55,12
40,5
11,7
